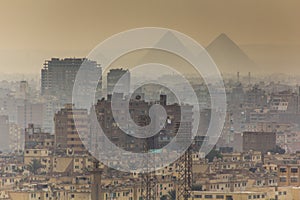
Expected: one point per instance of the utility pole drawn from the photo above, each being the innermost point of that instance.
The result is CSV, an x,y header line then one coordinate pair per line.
x,y
148,176
184,182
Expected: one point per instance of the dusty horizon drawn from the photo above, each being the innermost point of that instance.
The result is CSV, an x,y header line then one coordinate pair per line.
x,y
33,31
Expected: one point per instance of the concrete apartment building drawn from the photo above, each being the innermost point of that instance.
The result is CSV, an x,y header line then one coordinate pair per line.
x,y
58,76
139,110
35,138
246,195
69,136
113,76
288,175
4,133
16,142
259,141
30,113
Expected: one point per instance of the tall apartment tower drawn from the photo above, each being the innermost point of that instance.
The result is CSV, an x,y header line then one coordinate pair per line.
x,y
58,76
179,120
4,133
16,138
259,141
113,76
67,135
30,113
23,91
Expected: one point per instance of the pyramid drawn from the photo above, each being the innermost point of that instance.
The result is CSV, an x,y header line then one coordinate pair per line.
x,y
229,57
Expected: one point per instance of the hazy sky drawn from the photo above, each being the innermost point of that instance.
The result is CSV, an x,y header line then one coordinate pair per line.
x,y
34,30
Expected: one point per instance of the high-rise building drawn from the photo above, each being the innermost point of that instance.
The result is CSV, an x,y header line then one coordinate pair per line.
x,y
58,76
30,113
9,106
113,76
179,120
23,91
4,133
16,142
51,106
68,135
259,141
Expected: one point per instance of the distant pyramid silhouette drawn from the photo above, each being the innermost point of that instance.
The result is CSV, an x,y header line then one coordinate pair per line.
x,y
229,57
169,39
163,57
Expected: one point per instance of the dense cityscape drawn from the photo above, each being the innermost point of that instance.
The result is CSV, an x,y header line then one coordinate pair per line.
x,y
149,100
45,157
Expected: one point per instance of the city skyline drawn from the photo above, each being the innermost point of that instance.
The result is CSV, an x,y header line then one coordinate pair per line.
x,y
149,100
266,30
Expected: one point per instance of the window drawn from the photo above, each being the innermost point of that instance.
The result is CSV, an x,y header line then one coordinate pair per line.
x,y
294,170
282,170
282,179
208,196
294,179
220,197
229,197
